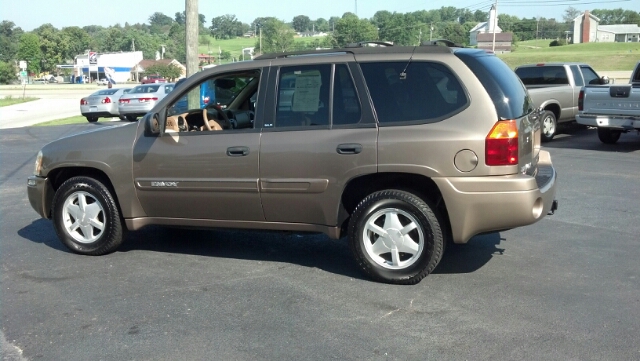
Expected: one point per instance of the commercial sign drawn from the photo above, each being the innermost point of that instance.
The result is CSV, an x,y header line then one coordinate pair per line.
x,y
93,58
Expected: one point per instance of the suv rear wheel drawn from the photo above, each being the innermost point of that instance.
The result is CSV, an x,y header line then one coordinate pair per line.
x,y
396,237
86,217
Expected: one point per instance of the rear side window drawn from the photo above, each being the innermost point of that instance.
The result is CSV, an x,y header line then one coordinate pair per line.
x,y
543,75
413,91
590,76
509,96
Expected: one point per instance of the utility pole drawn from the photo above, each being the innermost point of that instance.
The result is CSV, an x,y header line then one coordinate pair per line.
x,y
191,34
192,23
356,7
495,24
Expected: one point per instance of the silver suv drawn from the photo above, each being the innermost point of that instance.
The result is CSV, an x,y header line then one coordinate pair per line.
x,y
402,149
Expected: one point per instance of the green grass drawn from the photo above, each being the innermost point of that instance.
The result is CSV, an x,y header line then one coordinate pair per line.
x,y
9,100
71,120
601,56
235,46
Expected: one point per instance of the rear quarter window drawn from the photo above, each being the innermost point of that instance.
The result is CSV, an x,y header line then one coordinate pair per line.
x,y
417,91
509,95
543,75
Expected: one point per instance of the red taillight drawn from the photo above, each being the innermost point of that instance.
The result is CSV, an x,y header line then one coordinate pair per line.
x,y
106,100
501,145
581,100
142,100
83,102
123,101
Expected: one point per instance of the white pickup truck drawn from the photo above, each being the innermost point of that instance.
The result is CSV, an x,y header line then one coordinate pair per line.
x,y
613,109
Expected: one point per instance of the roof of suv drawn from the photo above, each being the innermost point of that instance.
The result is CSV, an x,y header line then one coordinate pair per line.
x,y
378,48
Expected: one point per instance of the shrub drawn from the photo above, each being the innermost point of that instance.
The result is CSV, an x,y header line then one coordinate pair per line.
x,y
559,42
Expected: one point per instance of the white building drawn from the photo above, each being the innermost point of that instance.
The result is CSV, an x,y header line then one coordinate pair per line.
x,y
621,33
121,63
587,29
489,26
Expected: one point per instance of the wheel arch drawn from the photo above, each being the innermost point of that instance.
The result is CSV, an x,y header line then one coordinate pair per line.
x,y
60,175
553,107
358,188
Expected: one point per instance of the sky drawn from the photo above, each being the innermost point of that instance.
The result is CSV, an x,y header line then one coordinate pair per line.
x,y
30,14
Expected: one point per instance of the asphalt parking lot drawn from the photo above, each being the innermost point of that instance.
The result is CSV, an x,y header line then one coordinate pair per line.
x,y
566,288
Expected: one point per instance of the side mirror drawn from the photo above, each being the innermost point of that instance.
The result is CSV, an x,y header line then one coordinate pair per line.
x,y
604,80
152,125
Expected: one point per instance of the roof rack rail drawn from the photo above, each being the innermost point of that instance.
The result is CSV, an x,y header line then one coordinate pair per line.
x,y
362,44
301,53
445,42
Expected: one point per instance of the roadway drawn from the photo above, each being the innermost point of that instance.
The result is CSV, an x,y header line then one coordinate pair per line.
x,y
55,101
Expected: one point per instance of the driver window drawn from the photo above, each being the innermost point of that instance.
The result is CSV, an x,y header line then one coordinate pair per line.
x,y
220,102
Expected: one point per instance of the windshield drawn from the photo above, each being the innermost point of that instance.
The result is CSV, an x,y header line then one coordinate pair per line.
x,y
145,89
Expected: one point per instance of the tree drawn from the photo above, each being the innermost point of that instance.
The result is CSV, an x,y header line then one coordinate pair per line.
x,y
455,32
398,28
7,72
332,22
77,39
169,71
617,16
226,27
29,50
301,23
322,25
570,13
9,36
276,37
160,23
350,29
53,45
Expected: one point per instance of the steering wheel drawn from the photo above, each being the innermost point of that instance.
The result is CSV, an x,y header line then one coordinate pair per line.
x,y
209,124
226,123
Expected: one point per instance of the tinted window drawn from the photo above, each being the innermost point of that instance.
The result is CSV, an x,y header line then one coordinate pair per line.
x,y
303,96
509,96
346,105
145,89
543,75
636,75
577,76
414,91
590,76
168,88
106,92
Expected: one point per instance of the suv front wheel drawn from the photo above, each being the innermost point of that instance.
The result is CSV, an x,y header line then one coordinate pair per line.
x,y
86,217
396,237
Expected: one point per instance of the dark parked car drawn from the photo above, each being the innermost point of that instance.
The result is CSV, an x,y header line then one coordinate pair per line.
x,y
401,149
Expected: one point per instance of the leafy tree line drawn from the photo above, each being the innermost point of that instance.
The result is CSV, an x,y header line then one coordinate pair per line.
x,y
47,46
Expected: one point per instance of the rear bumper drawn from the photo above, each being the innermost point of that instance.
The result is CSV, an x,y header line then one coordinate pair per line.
x,y
40,195
603,121
484,204
100,110
135,109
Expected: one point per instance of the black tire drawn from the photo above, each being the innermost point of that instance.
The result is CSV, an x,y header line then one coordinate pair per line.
x,y
131,118
548,125
122,117
100,210
378,263
608,136
92,119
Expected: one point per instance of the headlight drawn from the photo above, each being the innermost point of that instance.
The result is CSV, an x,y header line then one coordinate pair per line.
x,y
38,166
